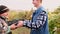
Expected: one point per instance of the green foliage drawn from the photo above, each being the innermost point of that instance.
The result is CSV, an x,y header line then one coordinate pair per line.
x,y
54,20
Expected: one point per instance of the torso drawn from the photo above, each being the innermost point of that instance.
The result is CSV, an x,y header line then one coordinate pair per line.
x,y
3,26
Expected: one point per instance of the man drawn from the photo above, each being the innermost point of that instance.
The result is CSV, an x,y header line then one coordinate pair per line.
x,y
39,22
4,28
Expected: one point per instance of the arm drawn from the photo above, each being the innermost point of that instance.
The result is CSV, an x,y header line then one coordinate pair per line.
x,y
13,24
6,27
12,27
40,21
14,21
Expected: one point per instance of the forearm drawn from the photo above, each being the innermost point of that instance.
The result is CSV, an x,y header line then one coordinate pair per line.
x,y
33,25
15,21
12,22
39,22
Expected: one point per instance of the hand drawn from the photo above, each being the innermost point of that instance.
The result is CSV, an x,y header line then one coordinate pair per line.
x,y
13,27
20,24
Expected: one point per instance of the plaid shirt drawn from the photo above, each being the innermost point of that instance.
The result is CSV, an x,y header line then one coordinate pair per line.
x,y
40,21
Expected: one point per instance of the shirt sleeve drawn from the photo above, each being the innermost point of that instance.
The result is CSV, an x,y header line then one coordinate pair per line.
x,y
40,21
12,22
8,29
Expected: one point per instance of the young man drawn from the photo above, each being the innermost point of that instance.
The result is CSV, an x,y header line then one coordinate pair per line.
x,y
4,28
39,22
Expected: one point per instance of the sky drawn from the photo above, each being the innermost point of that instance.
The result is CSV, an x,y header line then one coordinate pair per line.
x,y
27,4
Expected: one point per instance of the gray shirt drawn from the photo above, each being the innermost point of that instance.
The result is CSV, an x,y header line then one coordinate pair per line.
x,y
3,27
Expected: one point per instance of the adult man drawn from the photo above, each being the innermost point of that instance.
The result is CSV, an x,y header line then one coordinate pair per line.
x,y
39,22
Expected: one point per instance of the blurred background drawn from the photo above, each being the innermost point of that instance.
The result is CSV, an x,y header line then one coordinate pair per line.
x,y
23,9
